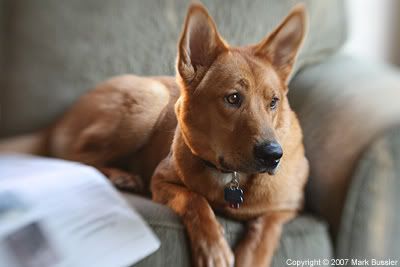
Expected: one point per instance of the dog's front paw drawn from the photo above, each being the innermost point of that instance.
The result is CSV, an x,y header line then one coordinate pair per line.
x,y
212,252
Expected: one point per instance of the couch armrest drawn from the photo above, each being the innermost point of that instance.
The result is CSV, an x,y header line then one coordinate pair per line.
x,y
370,225
342,104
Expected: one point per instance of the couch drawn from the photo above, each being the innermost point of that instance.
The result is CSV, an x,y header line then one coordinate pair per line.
x,y
52,52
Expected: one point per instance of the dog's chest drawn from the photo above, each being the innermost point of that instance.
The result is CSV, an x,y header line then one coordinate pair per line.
x,y
211,185
218,183
221,179
256,194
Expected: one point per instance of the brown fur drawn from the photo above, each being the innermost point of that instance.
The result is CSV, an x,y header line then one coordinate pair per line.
x,y
132,128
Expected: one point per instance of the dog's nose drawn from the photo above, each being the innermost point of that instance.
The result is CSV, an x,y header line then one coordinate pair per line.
x,y
269,152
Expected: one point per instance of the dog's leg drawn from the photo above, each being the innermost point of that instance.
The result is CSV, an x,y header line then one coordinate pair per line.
x,y
123,180
209,247
93,148
99,144
262,238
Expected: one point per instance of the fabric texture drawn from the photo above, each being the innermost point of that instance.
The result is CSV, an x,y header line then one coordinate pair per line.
x,y
55,52
342,104
303,238
370,220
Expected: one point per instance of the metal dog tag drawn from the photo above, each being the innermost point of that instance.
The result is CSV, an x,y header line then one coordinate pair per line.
x,y
232,193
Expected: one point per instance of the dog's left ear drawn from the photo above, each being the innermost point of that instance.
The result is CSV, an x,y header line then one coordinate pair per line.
x,y
282,45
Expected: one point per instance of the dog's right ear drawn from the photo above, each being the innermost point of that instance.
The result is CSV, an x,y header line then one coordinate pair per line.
x,y
199,44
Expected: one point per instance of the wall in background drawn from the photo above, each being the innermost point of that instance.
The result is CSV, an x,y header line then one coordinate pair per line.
x,y
374,29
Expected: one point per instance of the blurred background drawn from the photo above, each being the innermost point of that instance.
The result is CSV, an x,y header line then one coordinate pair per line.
x,y
373,29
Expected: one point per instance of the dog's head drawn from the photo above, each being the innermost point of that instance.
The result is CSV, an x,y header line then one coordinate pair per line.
x,y
233,106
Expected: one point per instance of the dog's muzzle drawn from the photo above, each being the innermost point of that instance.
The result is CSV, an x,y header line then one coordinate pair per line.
x,y
268,155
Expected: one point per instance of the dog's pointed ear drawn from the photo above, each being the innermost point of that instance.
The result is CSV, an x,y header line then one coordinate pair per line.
x,y
199,44
282,45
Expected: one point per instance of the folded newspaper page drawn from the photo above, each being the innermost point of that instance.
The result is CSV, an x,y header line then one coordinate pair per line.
x,y
55,213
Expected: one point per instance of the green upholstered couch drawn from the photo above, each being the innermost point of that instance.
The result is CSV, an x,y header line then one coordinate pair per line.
x,y
51,52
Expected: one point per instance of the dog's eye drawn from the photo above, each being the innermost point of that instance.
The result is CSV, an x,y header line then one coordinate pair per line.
x,y
234,99
274,103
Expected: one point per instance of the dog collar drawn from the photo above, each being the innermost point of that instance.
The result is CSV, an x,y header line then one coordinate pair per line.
x,y
233,194
212,166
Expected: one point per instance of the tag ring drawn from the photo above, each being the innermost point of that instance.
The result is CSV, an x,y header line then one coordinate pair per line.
x,y
234,184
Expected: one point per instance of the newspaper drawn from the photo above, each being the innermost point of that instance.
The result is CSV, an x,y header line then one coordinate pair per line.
x,y
55,213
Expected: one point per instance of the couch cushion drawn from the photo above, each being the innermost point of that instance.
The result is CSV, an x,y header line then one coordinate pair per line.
x,y
303,238
56,51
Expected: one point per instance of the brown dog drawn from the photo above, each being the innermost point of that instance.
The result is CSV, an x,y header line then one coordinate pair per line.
x,y
231,115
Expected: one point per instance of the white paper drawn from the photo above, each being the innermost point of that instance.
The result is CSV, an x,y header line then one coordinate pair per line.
x,y
55,213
